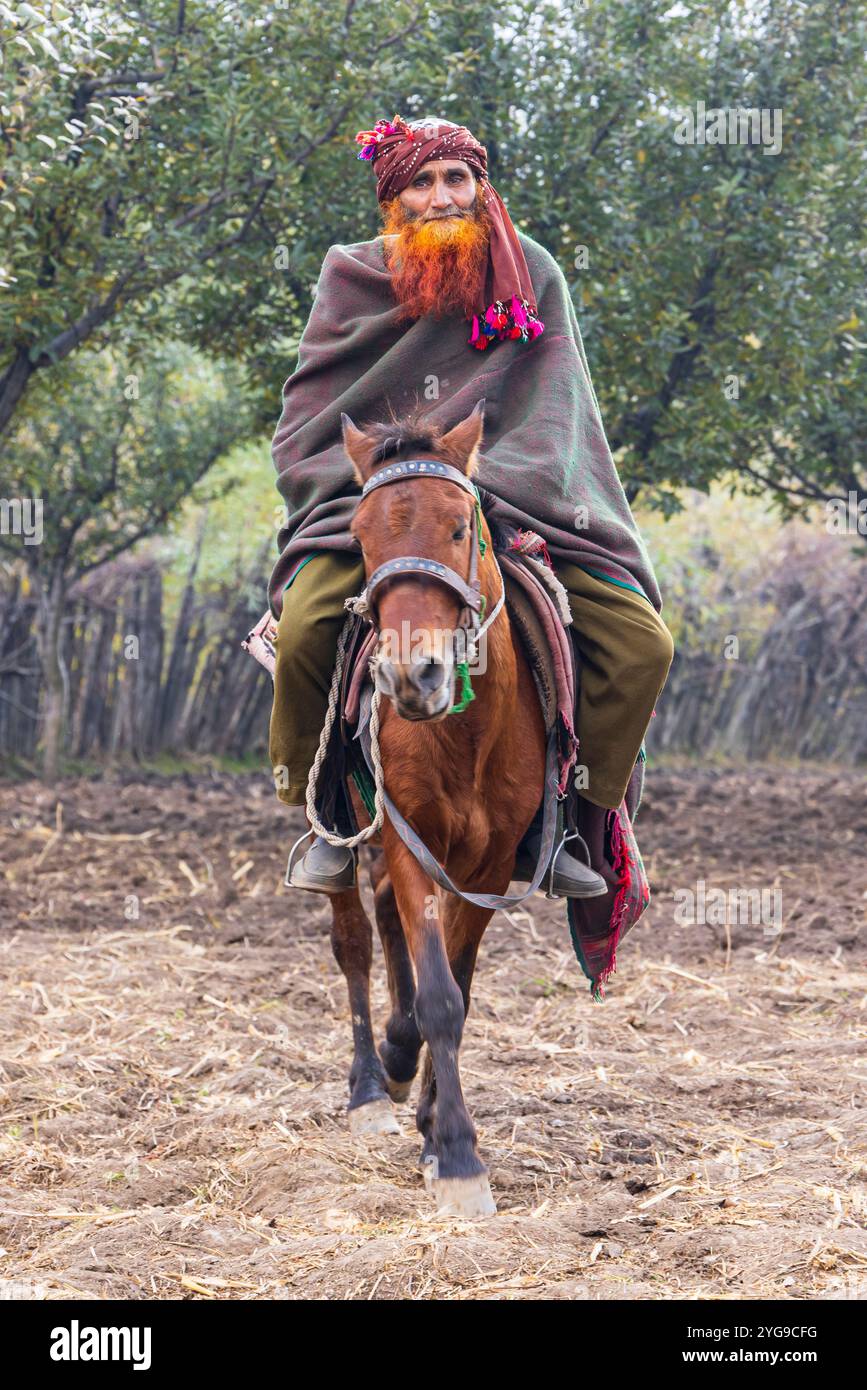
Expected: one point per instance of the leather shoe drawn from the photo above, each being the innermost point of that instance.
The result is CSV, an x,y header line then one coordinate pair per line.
x,y
325,868
572,879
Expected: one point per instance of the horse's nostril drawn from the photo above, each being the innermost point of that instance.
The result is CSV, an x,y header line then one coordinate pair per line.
x,y
429,675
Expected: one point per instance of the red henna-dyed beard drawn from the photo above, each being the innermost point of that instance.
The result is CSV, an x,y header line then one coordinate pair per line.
x,y
436,264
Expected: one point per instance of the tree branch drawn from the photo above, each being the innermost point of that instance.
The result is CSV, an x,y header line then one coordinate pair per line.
x,y
152,522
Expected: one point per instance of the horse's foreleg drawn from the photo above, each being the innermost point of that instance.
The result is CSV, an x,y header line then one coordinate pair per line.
x,y
402,1043
370,1109
425,1115
464,927
461,1178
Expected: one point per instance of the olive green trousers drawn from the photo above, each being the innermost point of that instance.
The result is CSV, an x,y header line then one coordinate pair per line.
x,y
625,647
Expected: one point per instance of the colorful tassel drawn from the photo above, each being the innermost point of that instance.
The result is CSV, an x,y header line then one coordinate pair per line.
x,y
483,544
369,139
531,543
518,321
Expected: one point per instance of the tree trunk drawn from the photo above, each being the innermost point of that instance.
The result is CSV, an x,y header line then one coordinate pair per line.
x,y
13,384
54,673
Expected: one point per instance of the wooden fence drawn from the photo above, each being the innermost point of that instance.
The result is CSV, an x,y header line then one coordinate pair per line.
x,y
801,692
137,689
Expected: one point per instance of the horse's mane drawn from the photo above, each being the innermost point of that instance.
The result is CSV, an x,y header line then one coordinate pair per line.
x,y
408,433
412,432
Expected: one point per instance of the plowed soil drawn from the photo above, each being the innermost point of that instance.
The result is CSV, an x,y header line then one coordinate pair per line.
x,y
175,1042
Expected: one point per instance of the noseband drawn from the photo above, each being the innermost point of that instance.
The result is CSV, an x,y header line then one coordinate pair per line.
x,y
469,589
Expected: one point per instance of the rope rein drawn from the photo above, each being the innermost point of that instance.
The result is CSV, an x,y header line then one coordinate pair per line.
x,y
333,697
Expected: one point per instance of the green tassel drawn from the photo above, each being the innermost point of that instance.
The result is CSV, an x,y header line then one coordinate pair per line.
x,y
483,544
462,667
467,692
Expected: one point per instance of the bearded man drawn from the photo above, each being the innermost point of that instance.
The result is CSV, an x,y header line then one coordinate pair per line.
x,y
388,330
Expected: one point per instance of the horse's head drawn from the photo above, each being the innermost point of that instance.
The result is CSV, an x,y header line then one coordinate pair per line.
x,y
418,614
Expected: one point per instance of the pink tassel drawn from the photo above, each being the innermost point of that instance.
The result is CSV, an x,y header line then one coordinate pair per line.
x,y
501,324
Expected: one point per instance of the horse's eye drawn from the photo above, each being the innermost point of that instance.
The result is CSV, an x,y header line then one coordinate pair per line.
x,y
459,534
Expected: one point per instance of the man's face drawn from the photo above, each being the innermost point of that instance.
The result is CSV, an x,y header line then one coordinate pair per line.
x,y
436,232
442,188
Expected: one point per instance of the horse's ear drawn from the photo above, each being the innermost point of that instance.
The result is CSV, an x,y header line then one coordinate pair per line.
x,y
358,448
462,442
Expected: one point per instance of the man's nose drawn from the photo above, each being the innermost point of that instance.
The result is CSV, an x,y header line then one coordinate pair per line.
x,y
442,198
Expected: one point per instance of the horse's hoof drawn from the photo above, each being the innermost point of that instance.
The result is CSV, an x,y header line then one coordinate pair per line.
x,y
377,1117
398,1090
467,1197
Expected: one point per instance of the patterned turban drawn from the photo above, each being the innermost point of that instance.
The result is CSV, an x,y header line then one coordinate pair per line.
x,y
506,305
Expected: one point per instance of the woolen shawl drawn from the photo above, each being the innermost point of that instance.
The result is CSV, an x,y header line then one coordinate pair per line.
x,y
545,464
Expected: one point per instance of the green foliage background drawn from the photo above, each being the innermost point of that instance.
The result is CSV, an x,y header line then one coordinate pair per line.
x,y
173,173
179,170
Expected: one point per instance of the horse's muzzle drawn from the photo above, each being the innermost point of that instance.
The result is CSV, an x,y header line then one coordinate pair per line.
x,y
417,689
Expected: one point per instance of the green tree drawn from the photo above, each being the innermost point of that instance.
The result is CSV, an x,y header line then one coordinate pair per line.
x,y
182,170
77,465
162,168
718,285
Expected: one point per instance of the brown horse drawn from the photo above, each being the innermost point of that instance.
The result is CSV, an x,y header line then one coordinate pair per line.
x,y
469,782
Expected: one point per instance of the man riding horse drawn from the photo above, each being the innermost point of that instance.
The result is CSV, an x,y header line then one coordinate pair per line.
x,y
389,329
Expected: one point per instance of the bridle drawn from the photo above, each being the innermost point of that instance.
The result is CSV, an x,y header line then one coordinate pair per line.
x,y
469,589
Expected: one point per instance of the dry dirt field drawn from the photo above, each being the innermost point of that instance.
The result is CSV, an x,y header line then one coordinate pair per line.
x,y
172,1083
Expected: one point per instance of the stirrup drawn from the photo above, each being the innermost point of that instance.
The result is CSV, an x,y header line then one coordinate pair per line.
x,y
549,889
548,877
290,865
322,880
